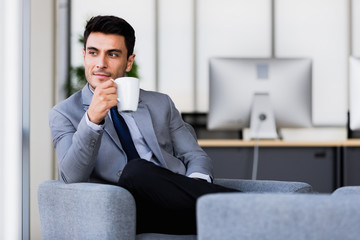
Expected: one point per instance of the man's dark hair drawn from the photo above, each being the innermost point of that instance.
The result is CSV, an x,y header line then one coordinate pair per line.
x,y
111,25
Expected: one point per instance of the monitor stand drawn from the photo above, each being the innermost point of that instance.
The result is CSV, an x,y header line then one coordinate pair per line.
x,y
262,122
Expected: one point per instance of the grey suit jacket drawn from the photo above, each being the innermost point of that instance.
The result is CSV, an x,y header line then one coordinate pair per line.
x,y
84,154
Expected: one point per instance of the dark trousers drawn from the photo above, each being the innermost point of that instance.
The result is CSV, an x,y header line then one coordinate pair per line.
x,y
165,201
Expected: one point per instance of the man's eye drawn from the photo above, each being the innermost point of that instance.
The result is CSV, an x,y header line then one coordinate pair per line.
x,y
92,52
113,54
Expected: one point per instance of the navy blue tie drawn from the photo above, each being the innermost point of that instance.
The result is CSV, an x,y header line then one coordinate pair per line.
x,y
123,132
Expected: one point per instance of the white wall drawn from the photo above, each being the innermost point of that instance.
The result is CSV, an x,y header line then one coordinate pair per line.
x,y
11,120
176,51
173,55
42,75
355,28
229,28
318,29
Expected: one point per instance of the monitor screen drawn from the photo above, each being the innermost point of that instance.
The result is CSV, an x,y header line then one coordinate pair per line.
x,y
263,94
354,96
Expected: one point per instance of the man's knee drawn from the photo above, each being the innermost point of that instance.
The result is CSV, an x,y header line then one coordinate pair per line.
x,y
134,171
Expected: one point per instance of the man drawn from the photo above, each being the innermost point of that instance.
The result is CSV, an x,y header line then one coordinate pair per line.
x,y
169,170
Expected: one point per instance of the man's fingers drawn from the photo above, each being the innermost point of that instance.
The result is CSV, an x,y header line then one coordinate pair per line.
x,y
108,84
106,88
103,99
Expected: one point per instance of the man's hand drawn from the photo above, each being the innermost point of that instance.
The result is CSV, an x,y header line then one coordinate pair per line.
x,y
104,98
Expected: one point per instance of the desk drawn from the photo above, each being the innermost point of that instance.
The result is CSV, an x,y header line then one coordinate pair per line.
x,y
351,163
325,165
270,143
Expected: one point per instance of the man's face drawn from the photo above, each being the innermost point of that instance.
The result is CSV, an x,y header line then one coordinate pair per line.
x,y
105,57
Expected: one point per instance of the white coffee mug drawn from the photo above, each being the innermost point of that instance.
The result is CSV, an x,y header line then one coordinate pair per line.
x,y
127,94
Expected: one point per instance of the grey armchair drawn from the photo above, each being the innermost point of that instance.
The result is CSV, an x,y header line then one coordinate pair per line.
x,y
99,211
280,216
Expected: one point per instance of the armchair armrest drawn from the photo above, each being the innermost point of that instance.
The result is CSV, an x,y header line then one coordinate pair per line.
x,y
347,190
86,211
264,185
279,216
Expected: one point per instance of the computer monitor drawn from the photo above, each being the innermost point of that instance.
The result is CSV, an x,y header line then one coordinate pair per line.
x,y
354,93
263,94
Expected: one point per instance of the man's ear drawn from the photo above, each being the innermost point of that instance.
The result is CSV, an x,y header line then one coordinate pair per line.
x,y
130,62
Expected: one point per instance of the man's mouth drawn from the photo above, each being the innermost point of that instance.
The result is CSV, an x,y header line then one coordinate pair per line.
x,y
102,74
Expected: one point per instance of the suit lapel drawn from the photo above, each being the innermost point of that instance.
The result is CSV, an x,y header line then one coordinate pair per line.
x,y
110,129
143,121
86,95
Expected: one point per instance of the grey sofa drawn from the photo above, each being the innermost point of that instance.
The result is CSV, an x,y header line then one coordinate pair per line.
x,y
98,211
280,216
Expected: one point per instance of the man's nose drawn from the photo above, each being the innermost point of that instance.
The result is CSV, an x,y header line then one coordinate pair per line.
x,y
101,62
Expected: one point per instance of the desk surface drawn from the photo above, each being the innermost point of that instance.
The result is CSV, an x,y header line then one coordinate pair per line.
x,y
276,143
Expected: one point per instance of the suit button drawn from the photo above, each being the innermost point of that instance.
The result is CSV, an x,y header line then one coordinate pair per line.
x,y
119,173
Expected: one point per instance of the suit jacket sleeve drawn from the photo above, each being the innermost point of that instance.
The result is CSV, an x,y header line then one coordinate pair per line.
x,y
186,147
76,144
